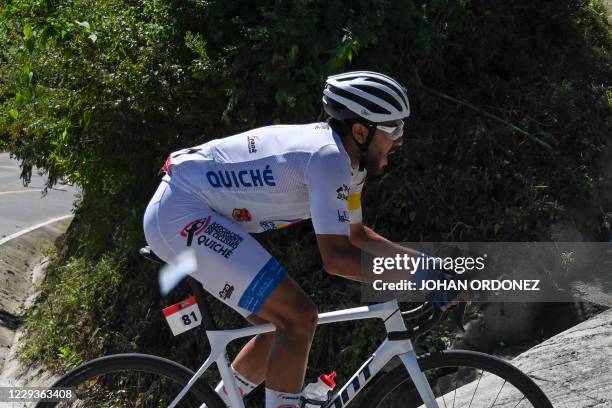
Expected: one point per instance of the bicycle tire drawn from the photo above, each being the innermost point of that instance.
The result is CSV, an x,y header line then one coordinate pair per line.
x,y
134,362
392,380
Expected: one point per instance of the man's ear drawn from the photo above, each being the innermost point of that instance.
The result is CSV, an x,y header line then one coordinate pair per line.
x,y
360,132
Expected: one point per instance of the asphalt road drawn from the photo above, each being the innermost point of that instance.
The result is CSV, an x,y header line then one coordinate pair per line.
x,y
22,207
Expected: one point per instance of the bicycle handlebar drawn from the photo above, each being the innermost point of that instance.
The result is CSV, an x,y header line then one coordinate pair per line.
x,y
435,317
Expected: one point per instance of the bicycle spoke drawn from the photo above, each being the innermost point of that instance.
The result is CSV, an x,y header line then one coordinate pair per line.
x,y
444,402
455,396
497,396
482,383
476,389
519,403
129,390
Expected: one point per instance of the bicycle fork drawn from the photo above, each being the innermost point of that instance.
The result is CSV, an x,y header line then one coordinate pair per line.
x,y
419,379
385,352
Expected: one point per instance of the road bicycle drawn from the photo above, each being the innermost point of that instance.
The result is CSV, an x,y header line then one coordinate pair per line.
x,y
445,379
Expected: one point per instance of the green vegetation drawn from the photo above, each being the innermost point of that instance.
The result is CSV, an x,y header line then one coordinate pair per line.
x,y
69,314
509,139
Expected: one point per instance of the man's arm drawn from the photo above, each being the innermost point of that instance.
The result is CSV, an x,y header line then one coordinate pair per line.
x,y
361,235
336,219
341,255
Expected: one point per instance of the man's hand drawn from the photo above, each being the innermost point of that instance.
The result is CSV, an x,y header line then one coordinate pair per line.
x,y
462,297
442,299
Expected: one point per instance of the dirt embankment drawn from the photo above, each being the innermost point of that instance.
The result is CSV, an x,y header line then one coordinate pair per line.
x,y
21,267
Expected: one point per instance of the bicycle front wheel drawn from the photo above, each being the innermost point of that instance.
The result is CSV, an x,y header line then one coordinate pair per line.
x,y
459,379
132,381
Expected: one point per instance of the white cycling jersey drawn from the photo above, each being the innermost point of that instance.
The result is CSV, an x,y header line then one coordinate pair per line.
x,y
272,177
213,195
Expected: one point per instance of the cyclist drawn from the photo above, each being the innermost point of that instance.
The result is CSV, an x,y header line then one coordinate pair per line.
x,y
214,195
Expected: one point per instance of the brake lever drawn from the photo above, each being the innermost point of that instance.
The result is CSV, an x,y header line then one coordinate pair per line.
x,y
459,316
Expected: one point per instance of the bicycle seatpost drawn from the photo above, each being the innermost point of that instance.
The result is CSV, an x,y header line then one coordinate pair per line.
x,y
207,320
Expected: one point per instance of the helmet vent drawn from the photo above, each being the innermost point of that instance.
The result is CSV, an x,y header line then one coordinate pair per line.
x,y
372,107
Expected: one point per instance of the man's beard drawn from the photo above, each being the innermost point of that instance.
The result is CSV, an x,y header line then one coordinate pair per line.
x,y
375,170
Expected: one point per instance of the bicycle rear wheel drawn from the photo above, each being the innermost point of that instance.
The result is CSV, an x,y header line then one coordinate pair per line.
x,y
459,379
132,381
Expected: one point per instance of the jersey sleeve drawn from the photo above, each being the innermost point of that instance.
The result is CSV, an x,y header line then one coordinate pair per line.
x,y
354,198
328,177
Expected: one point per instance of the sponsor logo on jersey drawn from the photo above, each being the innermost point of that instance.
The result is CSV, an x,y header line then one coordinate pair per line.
x,y
267,225
278,224
241,178
241,215
195,228
251,143
322,125
343,216
227,291
166,167
212,235
343,192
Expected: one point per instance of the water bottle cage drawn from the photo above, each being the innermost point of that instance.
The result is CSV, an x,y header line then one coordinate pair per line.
x,y
318,403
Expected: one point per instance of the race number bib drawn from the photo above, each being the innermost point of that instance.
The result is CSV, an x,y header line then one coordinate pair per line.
x,y
183,316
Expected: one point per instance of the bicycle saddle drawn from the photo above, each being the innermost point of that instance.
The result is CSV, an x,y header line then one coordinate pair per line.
x,y
150,255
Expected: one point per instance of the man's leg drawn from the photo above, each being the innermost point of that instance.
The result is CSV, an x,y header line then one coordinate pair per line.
x,y
295,318
280,357
233,267
251,361
250,364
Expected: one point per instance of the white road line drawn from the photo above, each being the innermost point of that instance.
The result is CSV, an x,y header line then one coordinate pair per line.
x,y
25,231
20,191
8,167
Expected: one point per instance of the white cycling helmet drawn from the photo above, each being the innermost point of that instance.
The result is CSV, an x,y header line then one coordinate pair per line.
x,y
369,95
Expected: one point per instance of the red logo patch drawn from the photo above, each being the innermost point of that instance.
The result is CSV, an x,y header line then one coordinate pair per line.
x,y
241,215
166,167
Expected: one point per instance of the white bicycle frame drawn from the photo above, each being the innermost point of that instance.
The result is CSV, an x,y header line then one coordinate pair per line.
x,y
388,312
